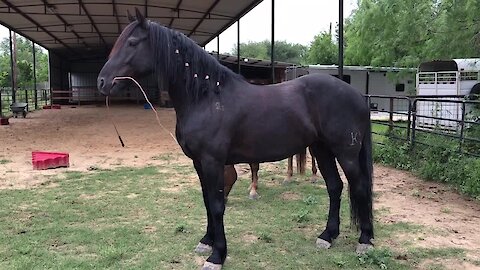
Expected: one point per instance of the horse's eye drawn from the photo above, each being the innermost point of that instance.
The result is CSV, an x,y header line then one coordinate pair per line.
x,y
133,42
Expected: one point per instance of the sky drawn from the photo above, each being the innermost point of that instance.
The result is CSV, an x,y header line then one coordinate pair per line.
x,y
296,21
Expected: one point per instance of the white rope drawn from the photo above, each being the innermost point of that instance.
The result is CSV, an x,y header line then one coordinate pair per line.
x,y
151,106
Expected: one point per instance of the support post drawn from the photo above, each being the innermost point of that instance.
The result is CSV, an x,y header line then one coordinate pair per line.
x,y
238,45
272,56
218,47
35,94
12,67
340,40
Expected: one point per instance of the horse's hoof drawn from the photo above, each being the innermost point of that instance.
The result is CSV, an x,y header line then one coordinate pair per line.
x,y
363,248
202,248
314,180
323,244
286,182
211,266
253,196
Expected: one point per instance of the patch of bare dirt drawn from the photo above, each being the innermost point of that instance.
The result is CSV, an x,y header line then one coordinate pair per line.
x,y
87,134
290,196
451,220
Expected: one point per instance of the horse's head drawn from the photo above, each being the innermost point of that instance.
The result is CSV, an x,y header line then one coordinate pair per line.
x,y
131,56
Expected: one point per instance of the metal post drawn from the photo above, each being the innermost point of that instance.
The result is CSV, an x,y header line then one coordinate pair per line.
x,y
409,120
35,94
272,56
462,127
390,118
12,74
414,122
238,45
340,40
218,47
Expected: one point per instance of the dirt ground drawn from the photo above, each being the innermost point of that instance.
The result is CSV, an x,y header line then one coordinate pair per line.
x,y
87,134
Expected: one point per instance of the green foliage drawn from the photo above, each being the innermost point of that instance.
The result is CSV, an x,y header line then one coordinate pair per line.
x,y
322,50
378,257
441,160
24,63
406,32
284,51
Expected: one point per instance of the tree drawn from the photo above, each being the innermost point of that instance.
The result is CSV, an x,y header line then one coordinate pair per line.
x,y
24,63
322,50
404,33
284,51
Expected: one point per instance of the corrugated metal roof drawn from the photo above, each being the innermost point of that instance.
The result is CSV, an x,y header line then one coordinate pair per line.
x,y
80,26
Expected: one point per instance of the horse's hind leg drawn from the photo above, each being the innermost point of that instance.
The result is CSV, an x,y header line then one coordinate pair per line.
x,y
360,198
314,167
289,171
230,175
328,169
254,167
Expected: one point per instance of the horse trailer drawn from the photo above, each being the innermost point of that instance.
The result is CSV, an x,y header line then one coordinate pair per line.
x,y
441,80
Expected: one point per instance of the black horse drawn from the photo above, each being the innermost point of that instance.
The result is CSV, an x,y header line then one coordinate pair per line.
x,y
222,119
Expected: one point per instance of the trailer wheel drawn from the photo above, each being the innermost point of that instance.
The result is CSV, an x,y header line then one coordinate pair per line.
x,y
475,92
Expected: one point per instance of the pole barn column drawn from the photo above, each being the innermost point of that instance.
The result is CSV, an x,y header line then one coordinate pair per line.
x,y
12,68
35,94
272,56
340,40
238,45
218,47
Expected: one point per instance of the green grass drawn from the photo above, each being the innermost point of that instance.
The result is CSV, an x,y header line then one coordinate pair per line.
x,y
152,218
4,161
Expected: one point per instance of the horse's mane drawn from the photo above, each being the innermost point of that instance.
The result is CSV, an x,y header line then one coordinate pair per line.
x,y
182,62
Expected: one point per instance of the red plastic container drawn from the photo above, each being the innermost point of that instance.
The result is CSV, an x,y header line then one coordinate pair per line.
x,y
4,121
49,160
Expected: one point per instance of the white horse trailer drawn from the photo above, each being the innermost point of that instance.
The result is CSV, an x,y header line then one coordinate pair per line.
x,y
445,80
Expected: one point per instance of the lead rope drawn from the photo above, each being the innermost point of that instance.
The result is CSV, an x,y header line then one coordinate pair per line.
x,y
151,106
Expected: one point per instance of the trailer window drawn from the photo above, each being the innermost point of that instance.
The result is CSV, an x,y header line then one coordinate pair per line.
x,y
469,76
400,87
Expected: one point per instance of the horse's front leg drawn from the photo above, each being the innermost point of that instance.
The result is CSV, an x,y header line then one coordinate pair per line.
x,y
206,243
230,176
213,186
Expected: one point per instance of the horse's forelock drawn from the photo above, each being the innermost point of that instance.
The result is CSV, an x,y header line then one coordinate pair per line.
x,y
122,38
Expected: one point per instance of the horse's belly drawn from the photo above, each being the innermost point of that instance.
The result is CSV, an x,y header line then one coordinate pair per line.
x,y
277,145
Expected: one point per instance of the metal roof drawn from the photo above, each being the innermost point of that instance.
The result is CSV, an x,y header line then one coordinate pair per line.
x,y
79,26
232,59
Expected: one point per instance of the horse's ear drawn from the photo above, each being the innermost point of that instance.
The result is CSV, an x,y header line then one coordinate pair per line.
x,y
141,19
130,17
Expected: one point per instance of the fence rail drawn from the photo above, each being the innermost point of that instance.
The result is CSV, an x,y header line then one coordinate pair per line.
x,y
34,98
417,117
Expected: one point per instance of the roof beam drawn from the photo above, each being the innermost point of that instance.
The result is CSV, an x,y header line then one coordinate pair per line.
x,y
207,13
234,20
67,3
30,19
115,13
92,22
64,22
177,9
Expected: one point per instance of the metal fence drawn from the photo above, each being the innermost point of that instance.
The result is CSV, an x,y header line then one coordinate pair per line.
x,y
35,99
429,121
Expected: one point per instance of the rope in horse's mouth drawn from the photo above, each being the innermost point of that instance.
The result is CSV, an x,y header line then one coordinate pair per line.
x,y
146,98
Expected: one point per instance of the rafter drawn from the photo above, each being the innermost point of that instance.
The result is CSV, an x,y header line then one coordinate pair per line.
x,y
30,19
204,16
80,2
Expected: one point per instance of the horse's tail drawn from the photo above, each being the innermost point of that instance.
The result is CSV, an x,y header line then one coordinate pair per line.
x,y
365,203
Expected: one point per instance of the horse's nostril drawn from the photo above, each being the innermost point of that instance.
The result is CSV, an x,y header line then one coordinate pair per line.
x,y
101,83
